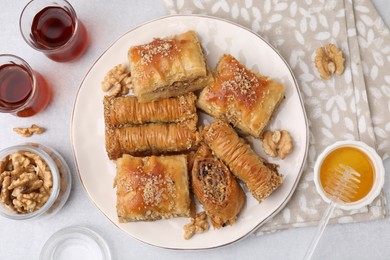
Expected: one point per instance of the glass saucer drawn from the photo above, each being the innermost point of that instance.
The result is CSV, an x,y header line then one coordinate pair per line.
x,y
75,243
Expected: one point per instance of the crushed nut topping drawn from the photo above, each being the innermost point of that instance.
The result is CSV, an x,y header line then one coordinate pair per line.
x,y
25,181
156,188
199,224
235,83
277,143
242,86
117,81
329,60
29,131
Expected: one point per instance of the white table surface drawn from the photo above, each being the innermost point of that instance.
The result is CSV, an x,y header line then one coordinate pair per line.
x,y
106,21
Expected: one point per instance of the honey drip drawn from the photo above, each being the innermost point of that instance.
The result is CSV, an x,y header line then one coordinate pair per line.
x,y
354,158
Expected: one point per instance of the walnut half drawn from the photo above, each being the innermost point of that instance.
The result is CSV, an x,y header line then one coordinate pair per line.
x,y
29,131
277,143
329,60
117,81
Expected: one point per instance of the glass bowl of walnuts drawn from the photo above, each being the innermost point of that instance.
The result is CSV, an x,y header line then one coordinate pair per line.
x,y
35,181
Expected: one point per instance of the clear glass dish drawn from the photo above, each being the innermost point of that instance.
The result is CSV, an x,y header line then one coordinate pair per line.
x,y
62,181
75,243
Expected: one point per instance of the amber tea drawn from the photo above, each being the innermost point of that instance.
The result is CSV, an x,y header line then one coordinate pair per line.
x,y
23,92
53,28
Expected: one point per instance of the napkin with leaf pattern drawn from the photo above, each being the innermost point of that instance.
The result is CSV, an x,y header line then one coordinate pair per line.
x,y
353,106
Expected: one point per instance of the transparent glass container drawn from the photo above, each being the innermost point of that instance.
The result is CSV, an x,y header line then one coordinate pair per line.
x,y
75,243
62,181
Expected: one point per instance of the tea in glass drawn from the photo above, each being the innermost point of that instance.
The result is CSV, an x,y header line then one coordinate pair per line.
x,y
53,28
23,92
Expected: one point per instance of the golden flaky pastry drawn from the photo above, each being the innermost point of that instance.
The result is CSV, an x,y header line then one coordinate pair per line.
x,y
152,188
150,139
156,127
216,188
241,97
127,110
261,177
168,67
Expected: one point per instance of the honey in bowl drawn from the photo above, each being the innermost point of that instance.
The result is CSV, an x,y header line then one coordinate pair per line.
x,y
354,158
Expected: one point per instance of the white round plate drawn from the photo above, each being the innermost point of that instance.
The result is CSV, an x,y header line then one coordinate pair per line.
x,y
217,36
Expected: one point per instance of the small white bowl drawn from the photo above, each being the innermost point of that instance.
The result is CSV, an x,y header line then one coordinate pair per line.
x,y
377,164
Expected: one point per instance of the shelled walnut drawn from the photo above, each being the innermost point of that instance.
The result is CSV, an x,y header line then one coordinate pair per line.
x,y
199,224
29,131
277,143
117,81
25,181
329,60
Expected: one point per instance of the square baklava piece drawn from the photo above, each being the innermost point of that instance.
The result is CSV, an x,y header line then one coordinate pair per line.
x,y
152,188
168,67
242,97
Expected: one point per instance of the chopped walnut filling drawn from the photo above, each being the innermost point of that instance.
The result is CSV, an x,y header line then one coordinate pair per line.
x,y
25,181
199,224
213,174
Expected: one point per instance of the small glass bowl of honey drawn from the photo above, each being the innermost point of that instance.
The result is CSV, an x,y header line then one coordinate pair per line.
x,y
361,158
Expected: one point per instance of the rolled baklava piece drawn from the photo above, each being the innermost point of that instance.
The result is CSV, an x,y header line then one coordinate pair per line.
x,y
151,139
168,67
216,188
151,188
261,177
126,110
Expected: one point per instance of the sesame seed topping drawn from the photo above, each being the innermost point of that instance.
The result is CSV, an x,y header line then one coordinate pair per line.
x,y
162,47
155,189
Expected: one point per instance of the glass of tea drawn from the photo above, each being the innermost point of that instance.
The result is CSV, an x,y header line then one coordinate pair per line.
x,y
23,92
52,27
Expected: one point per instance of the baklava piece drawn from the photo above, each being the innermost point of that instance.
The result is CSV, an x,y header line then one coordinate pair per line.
x,y
156,127
168,67
126,110
243,98
216,188
261,177
148,139
152,188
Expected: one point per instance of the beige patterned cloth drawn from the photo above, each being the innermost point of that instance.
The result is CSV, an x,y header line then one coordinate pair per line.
x,y
355,105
